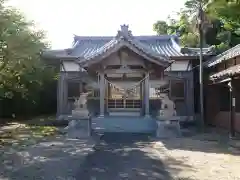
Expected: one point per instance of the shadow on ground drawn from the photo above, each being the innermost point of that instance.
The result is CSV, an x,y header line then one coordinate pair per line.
x,y
213,140
126,156
56,158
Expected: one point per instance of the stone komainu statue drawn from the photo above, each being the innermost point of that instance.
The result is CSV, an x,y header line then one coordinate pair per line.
x,y
81,102
168,108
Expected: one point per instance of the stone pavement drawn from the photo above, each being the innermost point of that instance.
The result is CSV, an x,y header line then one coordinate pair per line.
x,y
56,158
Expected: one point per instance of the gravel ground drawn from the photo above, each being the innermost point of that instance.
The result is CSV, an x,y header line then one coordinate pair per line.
x,y
123,156
56,158
200,157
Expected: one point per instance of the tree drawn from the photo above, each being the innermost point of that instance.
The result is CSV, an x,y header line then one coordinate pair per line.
x,y
227,11
22,73
182,27
161,27
221,28
21,70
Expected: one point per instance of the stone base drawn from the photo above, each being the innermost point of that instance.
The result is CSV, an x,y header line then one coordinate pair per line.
x,y
78,129
168,128
168,118
80,113
167,113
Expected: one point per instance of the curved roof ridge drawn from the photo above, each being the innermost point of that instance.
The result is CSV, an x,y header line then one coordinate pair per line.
x,y
102,49
140,37
144,47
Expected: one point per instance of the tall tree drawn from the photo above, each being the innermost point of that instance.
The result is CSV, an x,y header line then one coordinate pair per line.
x,y
227,11
182,27
221,23
21,71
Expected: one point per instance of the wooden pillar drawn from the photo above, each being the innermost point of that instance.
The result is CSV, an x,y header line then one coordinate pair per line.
x,y
141,96
80,87
146,95
59,95
231,86
109,90
62,94
65,95
102,94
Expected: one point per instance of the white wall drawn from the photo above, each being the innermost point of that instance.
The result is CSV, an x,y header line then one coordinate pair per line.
x,y
70,66
180,66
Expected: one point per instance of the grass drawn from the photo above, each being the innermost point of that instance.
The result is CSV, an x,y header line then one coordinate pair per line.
x,y
26,133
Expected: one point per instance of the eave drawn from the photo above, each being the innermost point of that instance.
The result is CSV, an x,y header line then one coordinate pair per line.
x,y
224,75
229,54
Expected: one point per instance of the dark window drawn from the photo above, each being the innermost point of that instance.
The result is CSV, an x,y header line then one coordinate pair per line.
x,y
177,88
224,98
237,90
73,89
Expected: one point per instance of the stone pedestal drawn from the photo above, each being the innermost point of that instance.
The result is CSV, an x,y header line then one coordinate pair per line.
x,y
80,125
167,119
168,128
80,113
78,129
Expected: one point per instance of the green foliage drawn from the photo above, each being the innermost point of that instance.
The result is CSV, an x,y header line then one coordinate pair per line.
x,y
161,27
22,73
182,26
221,25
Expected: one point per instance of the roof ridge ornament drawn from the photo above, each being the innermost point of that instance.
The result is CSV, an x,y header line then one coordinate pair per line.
x,y
124,32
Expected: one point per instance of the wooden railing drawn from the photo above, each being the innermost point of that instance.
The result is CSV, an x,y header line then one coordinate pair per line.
x,y
124,104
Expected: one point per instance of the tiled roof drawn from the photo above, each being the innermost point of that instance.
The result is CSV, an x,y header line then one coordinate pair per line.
x,y
159,45
231,53
163,46
234,70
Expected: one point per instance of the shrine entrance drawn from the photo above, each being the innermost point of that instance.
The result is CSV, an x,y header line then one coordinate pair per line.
x,y
124,96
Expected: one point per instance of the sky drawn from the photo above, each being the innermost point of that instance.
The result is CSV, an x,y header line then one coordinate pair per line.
x,y
61,19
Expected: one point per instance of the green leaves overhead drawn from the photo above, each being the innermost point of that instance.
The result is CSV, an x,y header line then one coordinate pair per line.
x,y
21,70
221,23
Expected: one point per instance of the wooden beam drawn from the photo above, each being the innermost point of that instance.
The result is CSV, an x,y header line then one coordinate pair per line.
x,y
231,86
220,81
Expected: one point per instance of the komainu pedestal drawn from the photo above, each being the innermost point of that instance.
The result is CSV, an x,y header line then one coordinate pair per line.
x,y
167,118
80,111
80,125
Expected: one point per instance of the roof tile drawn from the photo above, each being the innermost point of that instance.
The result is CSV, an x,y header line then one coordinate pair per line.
x,y
226,73
231,53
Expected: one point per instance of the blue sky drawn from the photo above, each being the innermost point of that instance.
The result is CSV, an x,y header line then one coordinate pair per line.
x,y
61,19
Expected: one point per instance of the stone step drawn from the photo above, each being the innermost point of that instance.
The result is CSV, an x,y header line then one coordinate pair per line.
x,y
125,113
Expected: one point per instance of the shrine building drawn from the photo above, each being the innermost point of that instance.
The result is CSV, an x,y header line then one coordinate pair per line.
x,y
126,74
